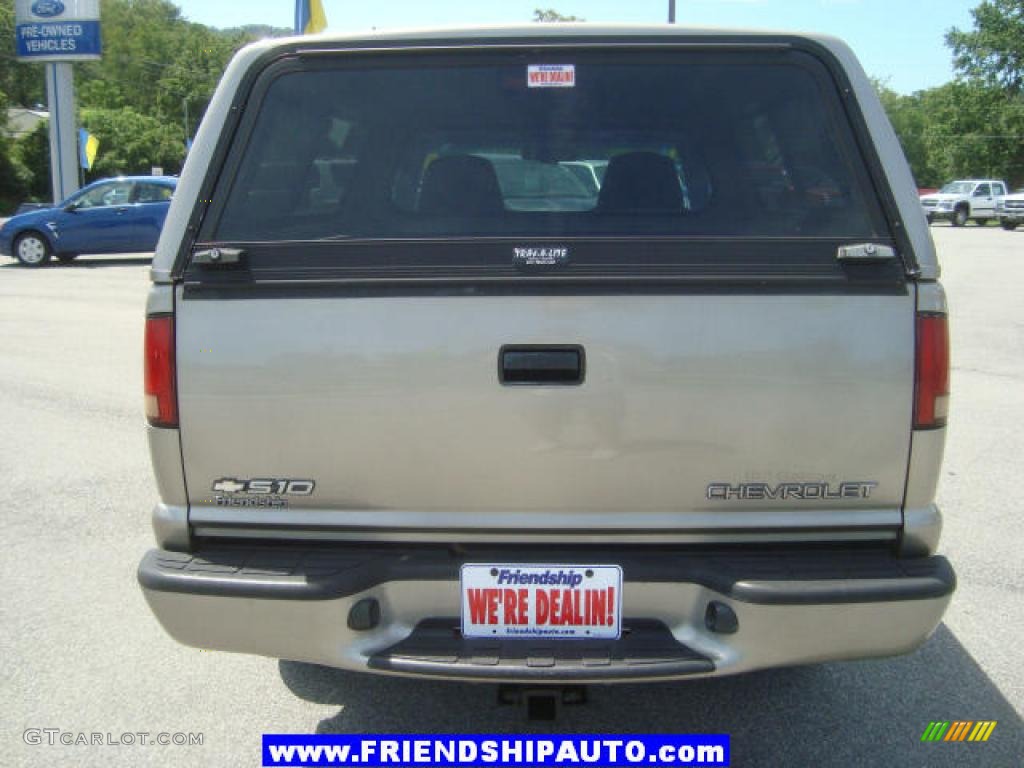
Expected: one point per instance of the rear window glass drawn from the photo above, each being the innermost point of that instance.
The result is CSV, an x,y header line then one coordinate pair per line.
x,y
627,143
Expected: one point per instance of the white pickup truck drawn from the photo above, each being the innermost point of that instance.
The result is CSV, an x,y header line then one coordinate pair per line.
x,y
974,200
1010,210
422,400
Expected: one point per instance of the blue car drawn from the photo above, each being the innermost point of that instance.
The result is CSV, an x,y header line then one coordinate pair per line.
x,y
122,215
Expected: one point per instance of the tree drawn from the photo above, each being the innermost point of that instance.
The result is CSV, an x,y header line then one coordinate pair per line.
x,y
131,143
155,62
910,121
993,52
551,15
188,82
142,99
13,175
984,109
23,83
32,153
974,130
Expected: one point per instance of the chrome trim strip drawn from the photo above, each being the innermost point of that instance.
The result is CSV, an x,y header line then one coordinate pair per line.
x,y
626,537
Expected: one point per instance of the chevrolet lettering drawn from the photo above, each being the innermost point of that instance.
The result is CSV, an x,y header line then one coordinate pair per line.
x,y
761,491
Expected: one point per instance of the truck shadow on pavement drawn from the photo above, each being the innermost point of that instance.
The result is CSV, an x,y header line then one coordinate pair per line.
x,y
852,713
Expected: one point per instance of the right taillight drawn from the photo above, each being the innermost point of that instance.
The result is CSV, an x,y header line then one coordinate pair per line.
x,y
161,397
931,380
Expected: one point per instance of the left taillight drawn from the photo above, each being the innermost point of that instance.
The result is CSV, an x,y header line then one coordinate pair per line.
x,y
161,397
931,386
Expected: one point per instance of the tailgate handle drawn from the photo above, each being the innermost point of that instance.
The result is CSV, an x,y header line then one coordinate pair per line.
x,y
532,364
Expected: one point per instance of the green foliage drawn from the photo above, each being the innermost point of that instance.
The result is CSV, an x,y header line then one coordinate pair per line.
x,y
909,119
24,84
959,130
32,153
131,143
142,99
156,63
15,178
9,186
974,126
551,15
993,52
975,130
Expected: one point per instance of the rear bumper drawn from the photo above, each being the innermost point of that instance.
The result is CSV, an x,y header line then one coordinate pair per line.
x,y
792,607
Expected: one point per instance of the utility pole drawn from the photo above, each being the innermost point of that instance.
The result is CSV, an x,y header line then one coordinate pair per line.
x,y
671,11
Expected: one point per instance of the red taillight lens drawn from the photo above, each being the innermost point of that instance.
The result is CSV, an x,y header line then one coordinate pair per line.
x,y
931,385
161,398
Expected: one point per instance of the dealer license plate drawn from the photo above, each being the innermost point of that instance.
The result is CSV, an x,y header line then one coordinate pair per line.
x,y
550,601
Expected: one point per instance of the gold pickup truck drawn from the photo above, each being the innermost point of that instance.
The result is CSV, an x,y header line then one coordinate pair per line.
x,y
547,354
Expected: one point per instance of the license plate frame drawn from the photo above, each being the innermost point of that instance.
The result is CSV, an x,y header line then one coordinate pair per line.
x,y
537,609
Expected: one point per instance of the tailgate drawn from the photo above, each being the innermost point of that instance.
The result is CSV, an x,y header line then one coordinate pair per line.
x,y
394,409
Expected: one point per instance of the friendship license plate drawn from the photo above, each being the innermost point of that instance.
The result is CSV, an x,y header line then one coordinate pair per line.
x,y
550,601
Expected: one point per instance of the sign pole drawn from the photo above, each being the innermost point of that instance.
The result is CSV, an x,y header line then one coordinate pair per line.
x,y
60,93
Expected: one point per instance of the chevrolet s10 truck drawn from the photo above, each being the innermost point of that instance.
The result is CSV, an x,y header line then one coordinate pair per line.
x,y
426,399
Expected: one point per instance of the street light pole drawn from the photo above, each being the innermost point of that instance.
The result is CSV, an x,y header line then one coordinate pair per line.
x,y
671,11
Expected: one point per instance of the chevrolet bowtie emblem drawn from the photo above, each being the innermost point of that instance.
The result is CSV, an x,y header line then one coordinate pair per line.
x,y
228,485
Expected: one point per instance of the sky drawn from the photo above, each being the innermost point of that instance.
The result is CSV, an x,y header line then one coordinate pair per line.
x,y
898,41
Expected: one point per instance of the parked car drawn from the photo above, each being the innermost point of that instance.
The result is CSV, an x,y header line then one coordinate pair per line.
x,y
421,419
121,215
967,199
1010,210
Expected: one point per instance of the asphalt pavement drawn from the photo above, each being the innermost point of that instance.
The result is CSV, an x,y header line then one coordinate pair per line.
x,y
82,654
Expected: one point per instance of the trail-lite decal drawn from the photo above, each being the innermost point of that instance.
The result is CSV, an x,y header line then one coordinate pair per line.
x,y
540,257
800,491
266,486
551,76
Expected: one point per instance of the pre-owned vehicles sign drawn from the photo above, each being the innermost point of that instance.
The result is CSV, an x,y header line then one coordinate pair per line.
x,y
57,30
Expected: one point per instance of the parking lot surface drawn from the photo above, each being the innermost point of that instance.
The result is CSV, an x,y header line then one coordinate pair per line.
x,y
81,652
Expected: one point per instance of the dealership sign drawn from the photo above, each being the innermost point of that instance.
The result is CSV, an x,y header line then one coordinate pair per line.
x,y
57,30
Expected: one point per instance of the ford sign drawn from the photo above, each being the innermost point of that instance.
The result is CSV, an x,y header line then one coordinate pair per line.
x,y
57,30
47,8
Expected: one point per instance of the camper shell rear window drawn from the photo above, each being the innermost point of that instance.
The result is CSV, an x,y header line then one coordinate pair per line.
x,y
664,143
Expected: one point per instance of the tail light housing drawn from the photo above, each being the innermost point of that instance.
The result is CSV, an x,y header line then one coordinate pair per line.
x,y
931,374
161,394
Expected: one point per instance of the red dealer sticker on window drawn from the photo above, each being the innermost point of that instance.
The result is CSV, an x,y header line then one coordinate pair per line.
x,y
551,75
556,601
